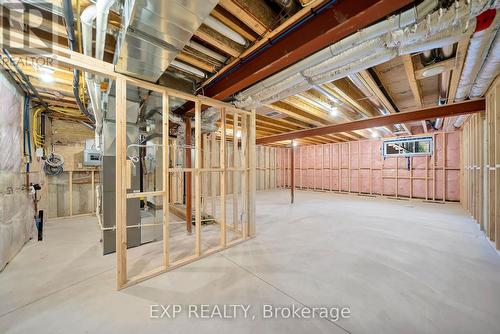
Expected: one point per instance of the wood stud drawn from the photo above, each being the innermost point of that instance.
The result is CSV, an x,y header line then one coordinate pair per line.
x,y
205,163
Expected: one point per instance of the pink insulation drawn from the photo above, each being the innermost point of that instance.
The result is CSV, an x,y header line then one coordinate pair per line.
x,y
359,167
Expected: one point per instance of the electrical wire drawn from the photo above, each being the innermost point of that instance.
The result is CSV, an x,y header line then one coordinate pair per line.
x,y
54,164
27,135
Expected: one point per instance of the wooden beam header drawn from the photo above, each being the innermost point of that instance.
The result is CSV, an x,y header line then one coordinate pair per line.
x,y
467,107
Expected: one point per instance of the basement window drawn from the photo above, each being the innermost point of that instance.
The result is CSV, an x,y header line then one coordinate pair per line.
x,y
408,147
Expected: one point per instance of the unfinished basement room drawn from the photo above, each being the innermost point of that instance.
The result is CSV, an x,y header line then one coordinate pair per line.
x,y
250,166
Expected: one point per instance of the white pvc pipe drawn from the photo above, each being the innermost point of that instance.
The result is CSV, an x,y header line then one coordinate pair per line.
x,y
87,18
103,7
188,68
207,51
224,30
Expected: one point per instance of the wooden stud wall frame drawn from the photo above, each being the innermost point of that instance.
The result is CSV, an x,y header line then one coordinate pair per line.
x,y
480,153
65,57
243,164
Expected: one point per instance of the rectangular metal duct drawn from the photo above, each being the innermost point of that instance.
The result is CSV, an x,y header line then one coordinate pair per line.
x,y
155,32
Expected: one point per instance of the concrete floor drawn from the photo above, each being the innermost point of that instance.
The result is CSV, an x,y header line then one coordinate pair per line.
x,y
401,267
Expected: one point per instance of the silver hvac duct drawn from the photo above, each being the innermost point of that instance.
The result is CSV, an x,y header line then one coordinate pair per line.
x,y
99,13
87,18
155,32
444,86
489,70
475,78
477,51
414,30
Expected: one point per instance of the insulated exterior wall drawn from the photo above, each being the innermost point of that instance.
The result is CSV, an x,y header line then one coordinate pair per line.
x,y
481,165
266,167
16,206
359,167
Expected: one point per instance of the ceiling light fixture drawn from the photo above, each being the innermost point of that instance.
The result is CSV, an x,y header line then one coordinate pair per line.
x,y
47,77
46,73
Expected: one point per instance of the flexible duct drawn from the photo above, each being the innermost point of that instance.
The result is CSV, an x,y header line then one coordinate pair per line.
x,y
476,54
355,66
357,52
395,22
440,39
489,71
370,47
209,118
379,29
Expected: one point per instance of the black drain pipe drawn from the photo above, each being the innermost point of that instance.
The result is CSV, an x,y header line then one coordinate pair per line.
x,y
70,29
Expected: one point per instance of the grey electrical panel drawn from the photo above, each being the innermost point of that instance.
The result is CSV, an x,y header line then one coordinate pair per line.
x,y
91,157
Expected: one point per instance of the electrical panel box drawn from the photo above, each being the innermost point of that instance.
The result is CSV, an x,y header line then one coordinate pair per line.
x,y
91,157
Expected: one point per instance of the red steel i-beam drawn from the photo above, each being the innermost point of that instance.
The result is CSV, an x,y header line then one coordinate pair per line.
x,y
329,26
447,110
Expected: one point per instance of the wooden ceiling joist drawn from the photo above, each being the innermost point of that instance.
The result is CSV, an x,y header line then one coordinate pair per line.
x,y
247,18
415,87
461,54
367,78
230,20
